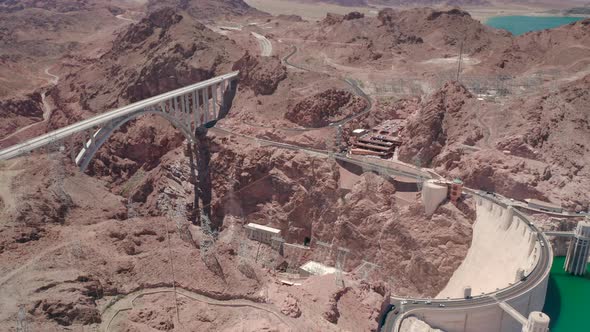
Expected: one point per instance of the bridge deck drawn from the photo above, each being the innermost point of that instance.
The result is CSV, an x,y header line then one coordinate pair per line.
x,y
60,134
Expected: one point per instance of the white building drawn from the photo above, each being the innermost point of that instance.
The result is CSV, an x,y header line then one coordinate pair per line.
x,y
262,233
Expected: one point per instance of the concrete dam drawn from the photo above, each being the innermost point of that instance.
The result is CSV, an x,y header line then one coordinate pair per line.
x,y
502,280
503,250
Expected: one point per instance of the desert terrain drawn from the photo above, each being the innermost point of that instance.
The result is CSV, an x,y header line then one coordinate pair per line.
x,y
143,241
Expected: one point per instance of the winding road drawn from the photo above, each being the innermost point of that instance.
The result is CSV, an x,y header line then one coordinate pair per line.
x,y
127,303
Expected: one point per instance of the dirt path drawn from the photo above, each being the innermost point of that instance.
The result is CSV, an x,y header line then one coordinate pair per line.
x,y
54,79
127,303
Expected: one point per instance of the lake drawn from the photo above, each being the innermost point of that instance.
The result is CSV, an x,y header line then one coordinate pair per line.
x,y
567,299
523,24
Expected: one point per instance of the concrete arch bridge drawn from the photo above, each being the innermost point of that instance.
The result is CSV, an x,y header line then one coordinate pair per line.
x,y
195,106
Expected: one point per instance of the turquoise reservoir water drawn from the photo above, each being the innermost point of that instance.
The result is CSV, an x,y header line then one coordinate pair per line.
x,y
523,24
567,299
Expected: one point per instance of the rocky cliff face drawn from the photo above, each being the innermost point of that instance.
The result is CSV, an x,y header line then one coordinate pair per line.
x,y
300,195
20,111
261,75
325,107
427,132
520,150
162,52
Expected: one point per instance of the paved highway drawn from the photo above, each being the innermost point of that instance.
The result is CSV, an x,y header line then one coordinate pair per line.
x,y
60,134
538,275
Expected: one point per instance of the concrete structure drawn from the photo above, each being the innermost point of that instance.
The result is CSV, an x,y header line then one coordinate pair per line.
x,y
502,244
262,233
314,268
456,190
380,141
578,252
434,193
188,108
538,322
501,234
543,206
467,292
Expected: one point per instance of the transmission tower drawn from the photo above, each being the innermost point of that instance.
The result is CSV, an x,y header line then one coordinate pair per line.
x,y
277,244
324,250
340,263
21,323
366,268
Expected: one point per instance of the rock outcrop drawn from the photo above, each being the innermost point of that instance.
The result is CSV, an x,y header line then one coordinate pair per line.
x,y
261,75
325,107
427,133
20,111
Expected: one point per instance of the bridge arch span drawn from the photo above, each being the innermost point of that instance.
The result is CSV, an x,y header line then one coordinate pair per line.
x,y
100,137
188,108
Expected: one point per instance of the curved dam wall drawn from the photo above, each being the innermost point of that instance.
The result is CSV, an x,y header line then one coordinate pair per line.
x,y
503,243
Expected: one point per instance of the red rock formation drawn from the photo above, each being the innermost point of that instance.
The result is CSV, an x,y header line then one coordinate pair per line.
x,y
425,135
20,111
325,107
261,75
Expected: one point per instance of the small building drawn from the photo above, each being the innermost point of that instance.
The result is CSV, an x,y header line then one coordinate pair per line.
x,y
262,233
543,206
314,268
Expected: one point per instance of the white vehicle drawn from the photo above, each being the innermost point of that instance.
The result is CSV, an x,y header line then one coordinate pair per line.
x,y
404,302
428,302
441,305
